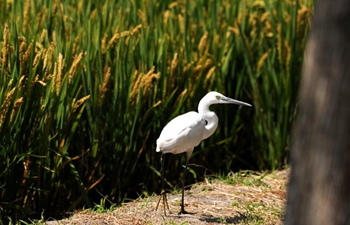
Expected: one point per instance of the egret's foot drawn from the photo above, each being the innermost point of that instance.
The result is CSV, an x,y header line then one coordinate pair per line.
x,y
183,211
165,202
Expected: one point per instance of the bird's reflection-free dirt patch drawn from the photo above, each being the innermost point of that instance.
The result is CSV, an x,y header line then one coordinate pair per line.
x,y
241,198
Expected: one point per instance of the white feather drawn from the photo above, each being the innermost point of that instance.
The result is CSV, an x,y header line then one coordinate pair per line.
x,y
181,134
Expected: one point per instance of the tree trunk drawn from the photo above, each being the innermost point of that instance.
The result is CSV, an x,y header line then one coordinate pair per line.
x,y
319,187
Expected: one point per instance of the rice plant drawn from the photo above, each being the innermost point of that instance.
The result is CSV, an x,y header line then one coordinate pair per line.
x,y
85,88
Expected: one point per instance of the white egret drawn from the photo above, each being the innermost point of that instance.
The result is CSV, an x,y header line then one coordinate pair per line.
x,y
186,131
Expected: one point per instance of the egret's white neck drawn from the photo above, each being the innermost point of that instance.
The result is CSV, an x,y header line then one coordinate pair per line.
x,y
210,117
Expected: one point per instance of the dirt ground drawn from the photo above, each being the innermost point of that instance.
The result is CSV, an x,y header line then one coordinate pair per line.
x,y
242,198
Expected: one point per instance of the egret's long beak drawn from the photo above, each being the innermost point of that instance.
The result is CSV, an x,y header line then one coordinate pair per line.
x,y
234,101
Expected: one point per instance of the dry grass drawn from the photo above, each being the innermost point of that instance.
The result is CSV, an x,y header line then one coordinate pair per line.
x,y
242,198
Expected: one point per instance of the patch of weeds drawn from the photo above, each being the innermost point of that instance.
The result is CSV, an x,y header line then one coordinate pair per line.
x,y
205,190
223,219
246,178
191,171
251,219
102,208
40,221
145,199
261,213
236,204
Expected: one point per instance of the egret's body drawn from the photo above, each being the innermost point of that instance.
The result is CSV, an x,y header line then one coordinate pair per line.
x,y
181,134
186,131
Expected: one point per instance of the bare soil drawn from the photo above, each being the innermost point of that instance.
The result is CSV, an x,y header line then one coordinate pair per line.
x,y
243,198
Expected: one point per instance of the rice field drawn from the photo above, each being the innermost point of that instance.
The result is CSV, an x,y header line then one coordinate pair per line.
x,y
86,87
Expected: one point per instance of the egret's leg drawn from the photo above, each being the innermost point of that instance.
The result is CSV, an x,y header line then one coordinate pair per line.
x,y
163,193
183,211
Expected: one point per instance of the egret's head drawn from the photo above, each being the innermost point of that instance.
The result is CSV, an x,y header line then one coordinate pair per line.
x,y
214,97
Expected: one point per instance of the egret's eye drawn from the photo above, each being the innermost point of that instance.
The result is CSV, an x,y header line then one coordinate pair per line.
x,y
217,97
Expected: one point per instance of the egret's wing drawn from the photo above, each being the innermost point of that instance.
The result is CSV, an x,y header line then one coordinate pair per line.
x,y
180,123
181,133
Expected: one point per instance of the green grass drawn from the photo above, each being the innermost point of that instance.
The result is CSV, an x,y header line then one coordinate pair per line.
x,y
256,213
245,178
86,87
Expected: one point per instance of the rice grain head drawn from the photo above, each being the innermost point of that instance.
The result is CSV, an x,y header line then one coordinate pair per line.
x,y
261,61
181,23
43,35
209,76
143,82
48,61
181,96
103,87
5,105
135,83
16,106
58,77
148,80
38,58
79,103
174,63
202,46
25,15
53,78
74,67
5,49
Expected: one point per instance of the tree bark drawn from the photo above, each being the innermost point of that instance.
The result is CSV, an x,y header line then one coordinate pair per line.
x,y
319,187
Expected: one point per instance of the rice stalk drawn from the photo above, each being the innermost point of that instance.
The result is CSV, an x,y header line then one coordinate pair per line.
x,y
181,97
303,18
187,68
261,61
24,53
27,53
33,82
288,55
136,81
174,64
16,106
48,61
74,66
210,76
38,57
43,35
181,23
22,49
5,105
123,34
148,80
142,16
166,16
142,83
79,103
25,15
203,43
104,43
58,74
5,49
103,87
279,43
